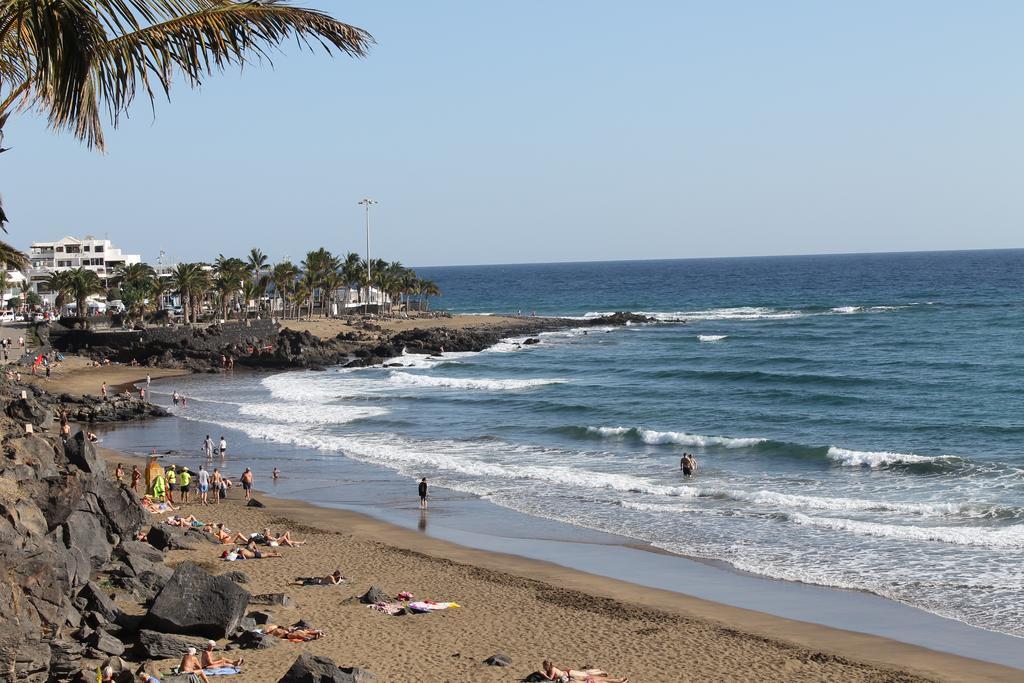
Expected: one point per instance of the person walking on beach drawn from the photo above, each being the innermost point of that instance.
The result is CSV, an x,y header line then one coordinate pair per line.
x,y
184,481
149,380
103,390
247,484
216,485
204,484
174,397
223,447
119,473
208,447
423,492
136,476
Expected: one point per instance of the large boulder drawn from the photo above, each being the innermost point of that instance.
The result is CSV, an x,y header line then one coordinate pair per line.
x,y
28,410
35,452
195,602
85,531
123,515
98,601
80,452
311,669
158,645
165,537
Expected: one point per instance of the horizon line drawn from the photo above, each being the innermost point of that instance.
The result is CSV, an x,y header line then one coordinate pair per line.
x,y
718,258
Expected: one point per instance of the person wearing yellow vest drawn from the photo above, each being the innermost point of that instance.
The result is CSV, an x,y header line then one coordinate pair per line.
x,y
184,481
172,483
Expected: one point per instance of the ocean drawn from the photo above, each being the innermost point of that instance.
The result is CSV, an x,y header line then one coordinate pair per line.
x,y
857,419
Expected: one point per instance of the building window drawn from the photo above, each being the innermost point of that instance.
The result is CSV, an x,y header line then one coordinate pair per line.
x,y
85,248
99,249
59,249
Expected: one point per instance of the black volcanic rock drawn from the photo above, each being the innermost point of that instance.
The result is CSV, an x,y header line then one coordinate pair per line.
x,y
194,602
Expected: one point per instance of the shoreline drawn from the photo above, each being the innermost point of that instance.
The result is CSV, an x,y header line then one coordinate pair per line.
x,y
776,633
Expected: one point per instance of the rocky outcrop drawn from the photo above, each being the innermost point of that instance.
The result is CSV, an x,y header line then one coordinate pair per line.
x,y
157,645
312,669
61,521
194,602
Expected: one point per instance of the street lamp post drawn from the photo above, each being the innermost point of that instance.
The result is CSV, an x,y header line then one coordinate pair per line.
x,y
366,203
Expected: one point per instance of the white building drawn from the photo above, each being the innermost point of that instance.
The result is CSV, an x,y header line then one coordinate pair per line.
x,y
69,253
13,289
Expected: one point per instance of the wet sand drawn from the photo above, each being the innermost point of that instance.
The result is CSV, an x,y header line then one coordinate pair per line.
x,y
529,610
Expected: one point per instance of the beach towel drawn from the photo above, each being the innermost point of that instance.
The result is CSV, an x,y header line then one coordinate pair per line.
x,y
223,671
431,606
390,608
406,595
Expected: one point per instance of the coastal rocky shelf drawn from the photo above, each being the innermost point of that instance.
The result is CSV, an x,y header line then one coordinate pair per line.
x,y
75,546
265,344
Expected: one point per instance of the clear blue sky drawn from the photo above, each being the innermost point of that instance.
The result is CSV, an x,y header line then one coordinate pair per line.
x,y
557,131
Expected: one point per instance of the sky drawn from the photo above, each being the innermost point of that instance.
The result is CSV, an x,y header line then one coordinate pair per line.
x,y
542,131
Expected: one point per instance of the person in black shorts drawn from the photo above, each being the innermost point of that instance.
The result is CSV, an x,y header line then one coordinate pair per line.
x,y
687,465
423,492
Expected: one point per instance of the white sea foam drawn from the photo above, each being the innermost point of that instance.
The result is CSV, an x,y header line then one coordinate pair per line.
x,y
712,337
655,438
851,458
307,414
847,309
1010,537
412,380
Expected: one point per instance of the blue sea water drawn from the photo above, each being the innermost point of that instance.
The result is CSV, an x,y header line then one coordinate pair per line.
x,y
857,419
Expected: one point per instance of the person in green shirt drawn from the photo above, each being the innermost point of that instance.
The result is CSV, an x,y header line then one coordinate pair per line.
x,y
172,483
184,480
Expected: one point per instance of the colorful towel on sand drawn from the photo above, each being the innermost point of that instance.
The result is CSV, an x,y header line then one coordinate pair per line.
x,y
406,596
392,609
223,671
431,606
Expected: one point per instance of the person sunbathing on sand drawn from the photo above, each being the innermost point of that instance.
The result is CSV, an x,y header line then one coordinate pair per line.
x,y
192,668
211,662
219,532
293,632
186,522
284,539
553,673
251,553
329,580
156,508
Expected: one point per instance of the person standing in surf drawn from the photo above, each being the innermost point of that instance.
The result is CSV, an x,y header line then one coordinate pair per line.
x,y
688,465
423,493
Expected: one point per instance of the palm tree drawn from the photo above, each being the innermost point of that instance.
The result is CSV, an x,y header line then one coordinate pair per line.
x,y
353,271
83,283
190,280
135,274
12,258
318,265
257,262
428,288
229,273
60,284
283,276
73,61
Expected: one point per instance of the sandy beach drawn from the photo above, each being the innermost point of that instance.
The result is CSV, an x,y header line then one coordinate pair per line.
x,y
326,328
77,375
528,610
